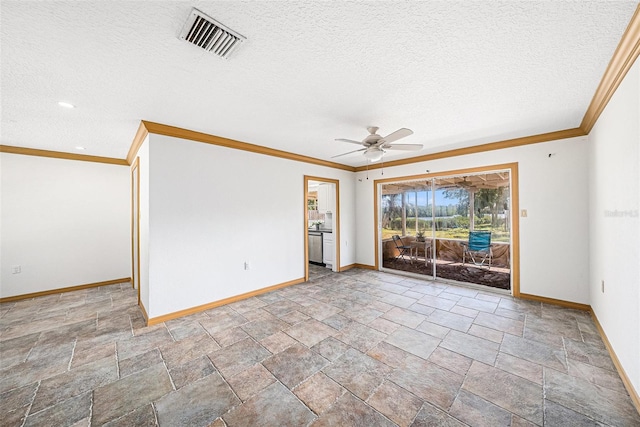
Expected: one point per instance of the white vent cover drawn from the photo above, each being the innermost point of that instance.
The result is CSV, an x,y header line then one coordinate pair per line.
x,y
207,33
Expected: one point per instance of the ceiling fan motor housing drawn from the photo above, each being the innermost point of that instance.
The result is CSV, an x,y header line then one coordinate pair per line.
x,y
372,139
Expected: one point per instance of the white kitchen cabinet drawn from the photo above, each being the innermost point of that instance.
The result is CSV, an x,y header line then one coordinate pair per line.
x,y
331,200
322,198
327,249
326,200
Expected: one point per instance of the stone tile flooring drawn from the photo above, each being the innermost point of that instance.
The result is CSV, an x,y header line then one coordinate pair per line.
x,y
359,348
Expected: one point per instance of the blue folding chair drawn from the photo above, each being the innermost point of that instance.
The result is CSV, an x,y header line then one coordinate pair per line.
x,y
478,249
401,247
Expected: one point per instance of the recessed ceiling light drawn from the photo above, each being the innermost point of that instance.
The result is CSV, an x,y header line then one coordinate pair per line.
x,y
80,148
66,104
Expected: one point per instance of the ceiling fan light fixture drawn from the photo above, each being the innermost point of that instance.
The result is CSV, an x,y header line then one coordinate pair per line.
x,y
374,155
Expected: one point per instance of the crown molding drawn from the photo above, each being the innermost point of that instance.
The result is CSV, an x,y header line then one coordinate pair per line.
x,y
141,134
623,59
166,130
61,155
499,145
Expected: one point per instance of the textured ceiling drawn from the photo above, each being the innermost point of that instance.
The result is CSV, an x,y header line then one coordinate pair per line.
x,y
456,73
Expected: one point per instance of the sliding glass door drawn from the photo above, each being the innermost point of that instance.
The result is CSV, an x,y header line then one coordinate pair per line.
x,y
434,220
406,213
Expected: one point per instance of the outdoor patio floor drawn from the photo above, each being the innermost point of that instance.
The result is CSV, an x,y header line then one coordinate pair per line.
x,y
496,277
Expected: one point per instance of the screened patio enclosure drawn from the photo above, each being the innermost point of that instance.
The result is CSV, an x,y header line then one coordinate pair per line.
x,y
433,218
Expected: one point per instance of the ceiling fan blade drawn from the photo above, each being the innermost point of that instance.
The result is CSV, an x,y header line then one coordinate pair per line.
x,y
350,152
406,147
350,141
400,133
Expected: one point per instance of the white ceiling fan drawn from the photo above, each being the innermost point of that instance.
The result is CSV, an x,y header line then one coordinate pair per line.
x,y
375,145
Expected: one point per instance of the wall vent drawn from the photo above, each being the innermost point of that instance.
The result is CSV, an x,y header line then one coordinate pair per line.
x,y
210,35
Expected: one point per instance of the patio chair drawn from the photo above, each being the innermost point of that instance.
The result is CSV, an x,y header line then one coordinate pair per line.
x,y
403,249
478,249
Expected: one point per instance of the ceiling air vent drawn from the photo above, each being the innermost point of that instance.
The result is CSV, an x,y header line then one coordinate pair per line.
x,y
207,33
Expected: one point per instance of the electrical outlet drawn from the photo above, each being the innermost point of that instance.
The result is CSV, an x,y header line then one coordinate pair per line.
x,y
246,265
16,269
602,285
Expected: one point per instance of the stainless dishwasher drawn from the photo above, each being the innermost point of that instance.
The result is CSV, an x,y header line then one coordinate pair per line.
x,y
315,247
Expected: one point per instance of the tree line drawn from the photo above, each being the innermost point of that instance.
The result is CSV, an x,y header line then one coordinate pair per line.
x,y
487,201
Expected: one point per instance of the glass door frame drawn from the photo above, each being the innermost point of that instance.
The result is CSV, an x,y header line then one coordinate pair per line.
x,y
514,213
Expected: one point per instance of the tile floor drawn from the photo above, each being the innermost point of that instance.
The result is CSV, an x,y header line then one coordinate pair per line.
x,y
360,348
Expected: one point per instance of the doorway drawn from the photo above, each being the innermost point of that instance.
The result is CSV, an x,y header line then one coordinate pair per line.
x,y
429,226
321,226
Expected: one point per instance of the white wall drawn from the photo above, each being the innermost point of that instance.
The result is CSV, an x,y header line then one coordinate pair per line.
x,y
212,208
143,155
614,162
553,237
65,222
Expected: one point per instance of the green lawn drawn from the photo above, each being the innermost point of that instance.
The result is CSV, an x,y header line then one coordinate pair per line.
x,y
452,233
